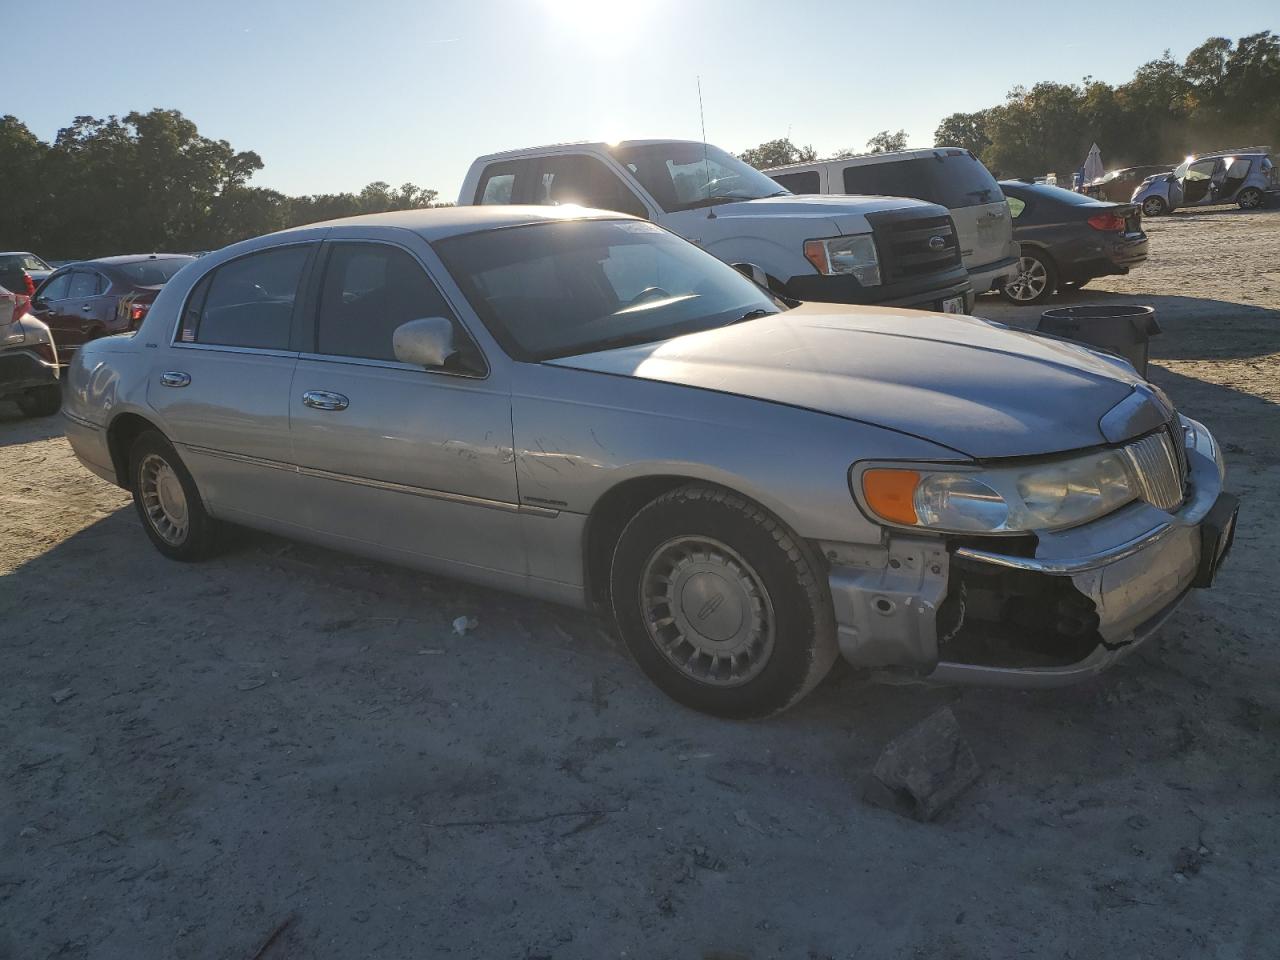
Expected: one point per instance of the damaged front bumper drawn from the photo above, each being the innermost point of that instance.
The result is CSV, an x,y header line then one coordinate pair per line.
x,y
1066,610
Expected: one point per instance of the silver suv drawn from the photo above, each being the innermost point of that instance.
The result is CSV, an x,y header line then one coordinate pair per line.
x,y
1246,177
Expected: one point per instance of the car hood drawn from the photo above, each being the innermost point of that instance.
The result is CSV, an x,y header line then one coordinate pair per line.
x,y
975,386
846,213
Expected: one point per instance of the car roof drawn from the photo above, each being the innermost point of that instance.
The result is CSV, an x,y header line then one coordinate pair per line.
x,y
866,159
438,223
17,253
602,145
127,258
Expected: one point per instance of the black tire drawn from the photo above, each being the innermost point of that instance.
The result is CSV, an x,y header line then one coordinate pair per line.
x,y
199,538
797,604
41,401
1037,266
1154,207
1250,198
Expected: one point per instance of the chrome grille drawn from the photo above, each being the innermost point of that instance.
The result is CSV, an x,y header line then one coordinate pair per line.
x,y
1159,462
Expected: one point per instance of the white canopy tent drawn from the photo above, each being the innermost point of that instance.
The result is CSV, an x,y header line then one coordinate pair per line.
x,y
1093,167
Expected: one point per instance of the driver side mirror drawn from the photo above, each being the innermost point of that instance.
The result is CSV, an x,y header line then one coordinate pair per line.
x,y
424,343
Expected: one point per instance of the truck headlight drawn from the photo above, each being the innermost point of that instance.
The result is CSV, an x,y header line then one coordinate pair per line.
x,y
854,255
1042,495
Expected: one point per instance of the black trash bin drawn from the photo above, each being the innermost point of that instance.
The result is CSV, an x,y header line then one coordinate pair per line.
x,y
1122,330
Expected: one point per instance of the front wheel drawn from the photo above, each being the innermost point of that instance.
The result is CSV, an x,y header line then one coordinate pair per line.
x,y
723,607
1034,282
167,500
1250,198
1154,206
41,401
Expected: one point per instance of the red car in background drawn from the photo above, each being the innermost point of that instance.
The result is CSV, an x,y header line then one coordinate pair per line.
x,y
96,298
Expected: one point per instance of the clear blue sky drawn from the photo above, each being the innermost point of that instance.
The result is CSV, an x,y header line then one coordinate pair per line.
x,y
336,94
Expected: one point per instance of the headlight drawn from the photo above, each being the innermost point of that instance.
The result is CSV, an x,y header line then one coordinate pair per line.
x,y
854,255
1046,495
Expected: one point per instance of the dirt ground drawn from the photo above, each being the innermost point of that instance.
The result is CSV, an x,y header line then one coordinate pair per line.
x,y
285,740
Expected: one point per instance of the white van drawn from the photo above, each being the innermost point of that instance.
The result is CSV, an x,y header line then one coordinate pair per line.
x,y
948,176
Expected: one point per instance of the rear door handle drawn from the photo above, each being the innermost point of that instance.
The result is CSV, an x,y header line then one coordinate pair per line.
x,y
175,378
324,400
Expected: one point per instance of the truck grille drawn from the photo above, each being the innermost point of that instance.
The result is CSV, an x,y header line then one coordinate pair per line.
x,y
909,248
1159,462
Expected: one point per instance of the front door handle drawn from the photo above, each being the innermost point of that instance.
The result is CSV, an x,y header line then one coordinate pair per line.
x,y
175,378
324,400
86,308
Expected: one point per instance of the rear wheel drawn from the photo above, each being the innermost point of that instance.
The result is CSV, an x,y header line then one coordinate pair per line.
x,y
722,606
41,401
167,500
1154,206
1035,280
1250,198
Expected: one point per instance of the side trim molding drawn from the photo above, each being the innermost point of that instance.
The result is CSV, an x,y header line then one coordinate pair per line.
x,y
445,495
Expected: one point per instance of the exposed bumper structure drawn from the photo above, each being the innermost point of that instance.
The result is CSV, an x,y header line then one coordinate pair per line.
x,y
1082,600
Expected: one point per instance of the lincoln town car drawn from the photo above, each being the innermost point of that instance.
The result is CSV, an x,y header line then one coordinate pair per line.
x,y
583,407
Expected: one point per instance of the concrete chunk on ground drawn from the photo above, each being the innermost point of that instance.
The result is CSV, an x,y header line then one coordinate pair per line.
x,y
920,772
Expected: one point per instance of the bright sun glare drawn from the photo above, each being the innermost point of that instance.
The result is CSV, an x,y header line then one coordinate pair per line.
x,y
599,21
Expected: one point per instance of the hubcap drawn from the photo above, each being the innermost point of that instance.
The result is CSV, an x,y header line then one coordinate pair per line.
x,y
707,611
163,499
1152,207
1250,199
1031,280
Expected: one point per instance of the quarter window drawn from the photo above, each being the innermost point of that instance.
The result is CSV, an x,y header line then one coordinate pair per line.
x,y
585,181
370,289
247,302
1016,206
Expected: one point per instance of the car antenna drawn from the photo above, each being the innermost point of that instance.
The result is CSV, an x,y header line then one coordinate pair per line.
x,y
706,159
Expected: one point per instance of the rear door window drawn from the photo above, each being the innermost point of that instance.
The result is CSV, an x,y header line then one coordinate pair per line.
x,y
500,183
85,283
952,178
806,181
585,181
247,302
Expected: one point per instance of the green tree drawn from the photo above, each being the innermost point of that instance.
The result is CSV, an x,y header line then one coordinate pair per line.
x,y
777,153
150,181
967,130
886,142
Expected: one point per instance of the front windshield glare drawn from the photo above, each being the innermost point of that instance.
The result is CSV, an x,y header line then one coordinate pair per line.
x,y
560,289
683,176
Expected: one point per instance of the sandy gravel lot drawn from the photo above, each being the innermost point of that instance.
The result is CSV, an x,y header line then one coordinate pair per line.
x,y
286,739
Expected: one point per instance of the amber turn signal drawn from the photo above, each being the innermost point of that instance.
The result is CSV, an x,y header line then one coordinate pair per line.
x,y
891,494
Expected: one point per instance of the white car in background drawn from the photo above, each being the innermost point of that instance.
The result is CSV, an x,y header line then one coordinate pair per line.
x,y
948,176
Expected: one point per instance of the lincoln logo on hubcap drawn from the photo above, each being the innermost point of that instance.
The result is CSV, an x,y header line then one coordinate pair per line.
x,y
710,607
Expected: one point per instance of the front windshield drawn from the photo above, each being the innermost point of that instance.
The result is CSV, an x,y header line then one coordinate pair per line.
x,y
683,176
560,289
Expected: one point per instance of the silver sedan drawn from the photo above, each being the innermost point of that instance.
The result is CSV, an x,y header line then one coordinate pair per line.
x,y
585,408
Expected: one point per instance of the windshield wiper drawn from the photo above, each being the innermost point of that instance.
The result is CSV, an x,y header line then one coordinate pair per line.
x,y
755,314
712,201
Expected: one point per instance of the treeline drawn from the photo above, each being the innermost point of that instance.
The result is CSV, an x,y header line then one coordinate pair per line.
x,y
150,181
1222,95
